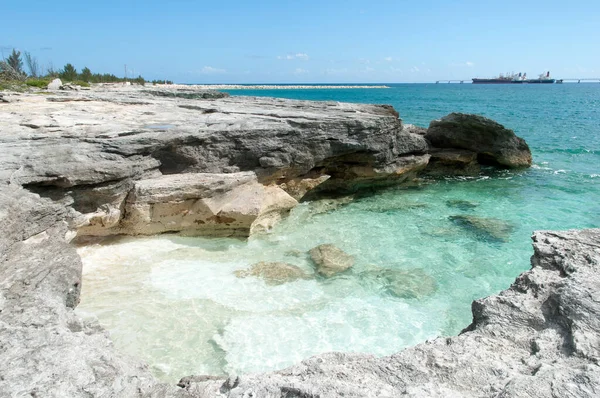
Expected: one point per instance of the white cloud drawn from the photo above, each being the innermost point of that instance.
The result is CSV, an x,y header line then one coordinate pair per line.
x,y
388,59
415,69
300,71
301,56
468,64
364,61
334,71
209,70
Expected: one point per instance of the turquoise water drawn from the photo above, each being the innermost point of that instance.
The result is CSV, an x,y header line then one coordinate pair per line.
x,y
176,303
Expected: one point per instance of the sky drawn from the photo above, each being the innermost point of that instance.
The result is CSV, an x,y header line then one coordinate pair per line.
x,y
324,41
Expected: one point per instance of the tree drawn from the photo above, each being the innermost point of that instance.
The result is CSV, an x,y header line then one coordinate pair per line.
x,y
32,64
69,73
86,74
14,60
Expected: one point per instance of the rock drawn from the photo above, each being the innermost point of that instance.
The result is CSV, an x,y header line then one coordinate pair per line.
x,y
489,229
539,338
330,260
493,143
406,284
452,162
193,204
274,273
70,86
55,84
412,129
460,204
45,348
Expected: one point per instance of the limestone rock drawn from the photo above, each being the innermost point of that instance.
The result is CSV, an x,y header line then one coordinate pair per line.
x,y
45,348
330,260
194,204
493,143
55,84
486,228
274,273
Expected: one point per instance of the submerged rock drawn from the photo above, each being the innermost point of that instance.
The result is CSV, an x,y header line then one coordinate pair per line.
x,y
273,273
461,204
493,143
491,229
330,260
408,284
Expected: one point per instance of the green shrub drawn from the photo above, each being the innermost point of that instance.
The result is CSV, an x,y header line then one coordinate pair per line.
x,y
39,83
81,83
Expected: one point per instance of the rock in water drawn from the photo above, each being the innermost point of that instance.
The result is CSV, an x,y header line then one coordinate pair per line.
x,y
274,273
55,84
461,204
491,229
494,144
414,283
330,260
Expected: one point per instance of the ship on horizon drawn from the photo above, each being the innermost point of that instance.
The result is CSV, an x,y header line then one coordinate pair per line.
x,y
514,78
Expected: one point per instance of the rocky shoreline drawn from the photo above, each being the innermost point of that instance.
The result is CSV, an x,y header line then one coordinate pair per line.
x,y
133,160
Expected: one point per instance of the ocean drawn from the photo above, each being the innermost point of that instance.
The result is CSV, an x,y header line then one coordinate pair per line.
x,y
175,302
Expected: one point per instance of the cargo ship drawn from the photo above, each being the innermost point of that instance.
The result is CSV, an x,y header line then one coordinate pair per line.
x,y
514,78
543,78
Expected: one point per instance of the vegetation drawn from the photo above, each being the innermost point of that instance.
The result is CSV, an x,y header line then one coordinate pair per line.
x,y
14,77
39,83
69,73
32,65
15,62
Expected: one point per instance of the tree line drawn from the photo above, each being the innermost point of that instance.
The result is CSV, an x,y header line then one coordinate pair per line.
x,y
12,69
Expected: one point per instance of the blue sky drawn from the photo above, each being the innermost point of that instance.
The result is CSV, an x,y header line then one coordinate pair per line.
x,y
280,41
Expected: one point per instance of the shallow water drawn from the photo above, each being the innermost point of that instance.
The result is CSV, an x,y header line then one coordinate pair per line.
x,y
176,303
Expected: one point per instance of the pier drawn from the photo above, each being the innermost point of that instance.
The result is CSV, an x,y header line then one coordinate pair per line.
x,y
450,81
578,80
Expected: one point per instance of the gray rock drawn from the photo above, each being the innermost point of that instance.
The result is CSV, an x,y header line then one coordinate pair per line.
x,y
493,143
330,260
55,84
540,338
452,162
485,228
273,273
45,349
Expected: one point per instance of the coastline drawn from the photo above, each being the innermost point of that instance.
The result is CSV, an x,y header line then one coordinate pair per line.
x,y
520,332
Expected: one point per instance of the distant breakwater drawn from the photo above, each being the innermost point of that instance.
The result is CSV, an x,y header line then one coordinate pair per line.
x,y
269,86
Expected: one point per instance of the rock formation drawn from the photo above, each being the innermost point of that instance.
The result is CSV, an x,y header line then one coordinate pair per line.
x,y
491,142
121,160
